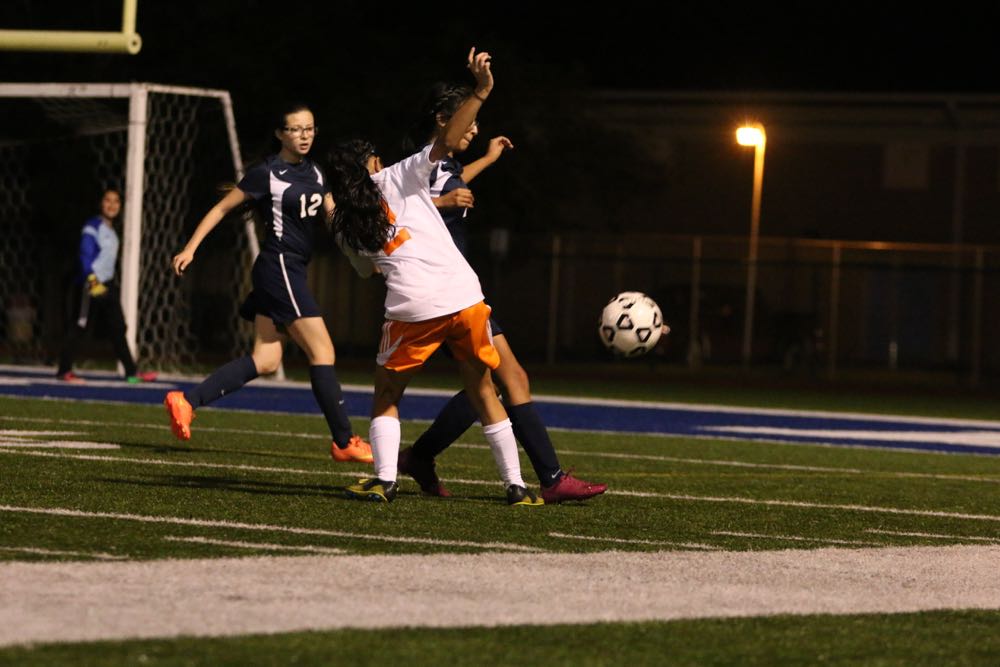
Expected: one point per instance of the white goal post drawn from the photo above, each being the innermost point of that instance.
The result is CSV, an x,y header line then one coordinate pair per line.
x,y
158,156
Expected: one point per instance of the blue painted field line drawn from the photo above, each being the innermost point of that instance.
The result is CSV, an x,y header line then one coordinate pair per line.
x,y
768,425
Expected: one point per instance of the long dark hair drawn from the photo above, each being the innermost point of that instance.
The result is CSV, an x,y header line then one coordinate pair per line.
x,y
443,99
361,217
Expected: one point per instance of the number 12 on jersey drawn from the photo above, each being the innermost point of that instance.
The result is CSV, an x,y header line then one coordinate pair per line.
x,y
314,201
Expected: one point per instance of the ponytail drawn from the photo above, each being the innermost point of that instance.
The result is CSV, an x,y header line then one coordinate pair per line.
x,y
360,218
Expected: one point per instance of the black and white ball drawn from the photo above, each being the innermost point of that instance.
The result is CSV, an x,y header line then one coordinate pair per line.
x,y
631,324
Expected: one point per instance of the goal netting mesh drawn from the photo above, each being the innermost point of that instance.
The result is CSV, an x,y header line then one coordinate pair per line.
x,y
60,147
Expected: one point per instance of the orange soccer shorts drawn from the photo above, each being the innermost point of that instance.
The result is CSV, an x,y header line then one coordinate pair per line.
x,y
467,334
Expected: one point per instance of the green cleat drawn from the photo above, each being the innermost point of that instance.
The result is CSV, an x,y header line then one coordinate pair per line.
x,y
519,495
373,489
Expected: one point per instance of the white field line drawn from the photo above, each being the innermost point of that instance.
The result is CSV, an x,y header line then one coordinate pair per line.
x,y
775,466
191,464
55,444
257,545
810,505
227,597
609,455
53,552
988,540
165,427
797,538
20,433
263,527
47,372
646,434
989,438
479,482
617,540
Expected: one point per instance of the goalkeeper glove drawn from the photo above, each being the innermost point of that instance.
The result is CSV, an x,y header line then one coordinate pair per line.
x,y
95,287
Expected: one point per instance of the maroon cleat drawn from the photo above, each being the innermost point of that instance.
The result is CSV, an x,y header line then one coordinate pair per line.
x,y
571,488
423,472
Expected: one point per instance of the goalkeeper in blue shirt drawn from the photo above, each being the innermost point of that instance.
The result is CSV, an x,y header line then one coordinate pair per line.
x,y
96,302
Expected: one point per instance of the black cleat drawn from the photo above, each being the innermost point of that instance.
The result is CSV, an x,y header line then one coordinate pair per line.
x,y
373,489
519,495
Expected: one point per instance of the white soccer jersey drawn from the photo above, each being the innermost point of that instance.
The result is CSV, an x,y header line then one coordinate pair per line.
x,y
425,274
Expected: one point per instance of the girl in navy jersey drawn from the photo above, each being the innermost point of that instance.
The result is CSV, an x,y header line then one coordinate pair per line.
x,y
451,194
292,197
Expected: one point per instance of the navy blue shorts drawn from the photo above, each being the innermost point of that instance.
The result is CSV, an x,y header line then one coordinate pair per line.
x,y
279,291
495,326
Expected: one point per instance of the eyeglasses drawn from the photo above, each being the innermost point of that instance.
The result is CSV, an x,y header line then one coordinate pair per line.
x,y
474,125
302,131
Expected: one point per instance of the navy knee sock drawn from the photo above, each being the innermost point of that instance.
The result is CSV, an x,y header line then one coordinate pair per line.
x,y
225,380
531,433
326,389
454,419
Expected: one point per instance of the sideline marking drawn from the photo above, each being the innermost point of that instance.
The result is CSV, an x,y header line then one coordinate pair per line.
x,y
54,552
257,545
56,444
798,538
809,505
611,455
776,466
62,511
479,482
618,540
988,540
164,427
66,601
973,438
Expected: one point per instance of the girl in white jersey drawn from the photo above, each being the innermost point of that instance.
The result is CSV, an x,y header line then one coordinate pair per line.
x,y
386,218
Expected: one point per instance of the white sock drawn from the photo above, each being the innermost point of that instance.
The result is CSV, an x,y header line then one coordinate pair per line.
x,y
501,439
384,435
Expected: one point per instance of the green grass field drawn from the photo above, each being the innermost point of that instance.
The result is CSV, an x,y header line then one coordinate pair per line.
x,y
263,485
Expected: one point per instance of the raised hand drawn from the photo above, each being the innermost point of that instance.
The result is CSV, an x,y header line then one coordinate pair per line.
x,y
497,146
479,65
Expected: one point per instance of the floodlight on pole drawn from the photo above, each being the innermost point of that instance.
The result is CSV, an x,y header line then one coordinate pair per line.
x,y
752,134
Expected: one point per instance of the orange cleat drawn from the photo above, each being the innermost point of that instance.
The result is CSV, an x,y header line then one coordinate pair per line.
x,y
357,451
181,414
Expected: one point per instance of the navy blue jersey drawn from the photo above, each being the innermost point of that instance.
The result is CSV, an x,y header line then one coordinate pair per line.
x,y
447,176
289,200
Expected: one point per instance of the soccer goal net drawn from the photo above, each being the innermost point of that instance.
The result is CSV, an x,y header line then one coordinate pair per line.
x,y
169,150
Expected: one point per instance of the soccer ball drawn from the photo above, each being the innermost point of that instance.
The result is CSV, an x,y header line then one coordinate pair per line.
x,y
630,324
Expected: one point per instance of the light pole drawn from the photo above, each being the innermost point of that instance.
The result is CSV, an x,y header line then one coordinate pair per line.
x,y
752,135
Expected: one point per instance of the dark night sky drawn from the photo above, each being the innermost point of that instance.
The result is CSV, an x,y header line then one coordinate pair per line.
x,y
657,45
363,66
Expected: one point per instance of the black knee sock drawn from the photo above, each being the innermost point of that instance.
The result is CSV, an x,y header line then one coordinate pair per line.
x,y
124,355
530,432
454,419
326,389
225,380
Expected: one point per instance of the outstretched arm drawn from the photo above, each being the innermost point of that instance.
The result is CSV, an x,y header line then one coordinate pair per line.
x,y
497,147
448,140
234,198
